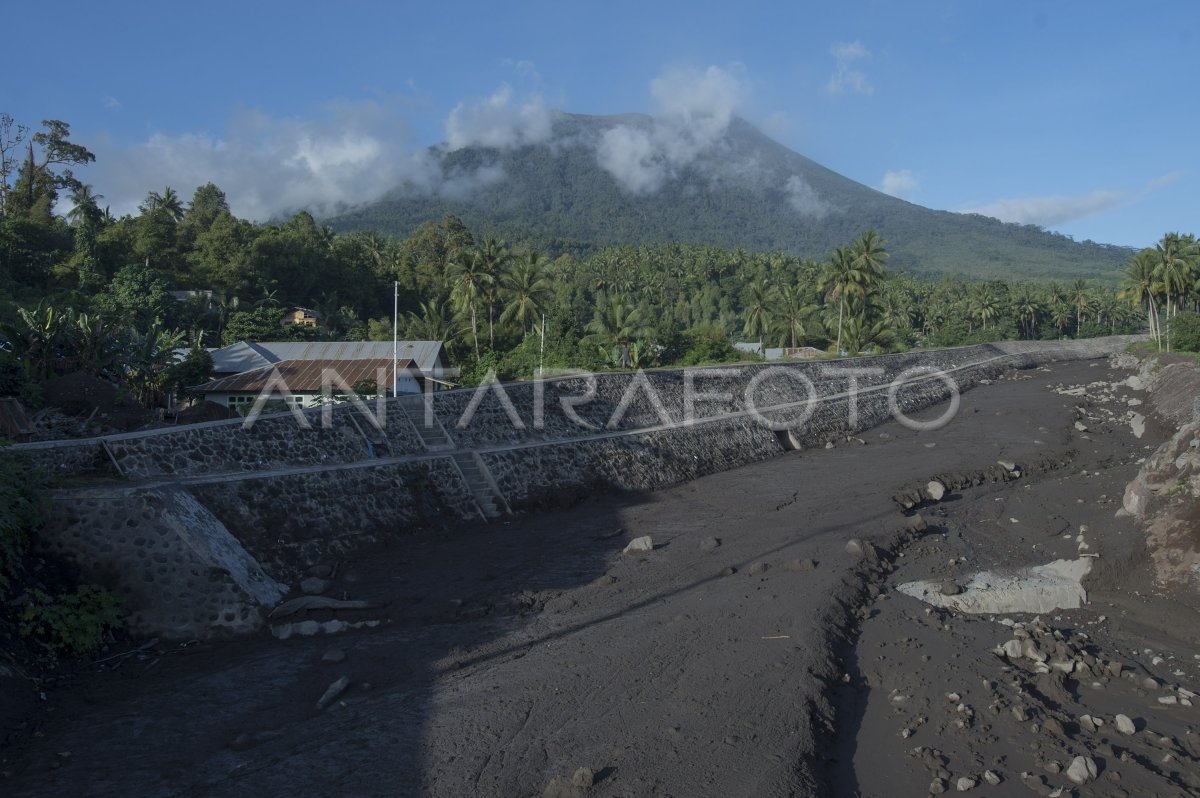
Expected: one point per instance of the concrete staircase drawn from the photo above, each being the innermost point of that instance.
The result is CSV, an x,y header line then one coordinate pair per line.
x,y
375,438
474,472
477,479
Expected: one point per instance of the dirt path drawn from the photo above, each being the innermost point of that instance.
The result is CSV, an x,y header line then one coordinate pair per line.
x,y
517,652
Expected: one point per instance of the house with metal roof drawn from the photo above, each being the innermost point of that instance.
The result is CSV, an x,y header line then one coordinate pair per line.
x,y
429,356
306,382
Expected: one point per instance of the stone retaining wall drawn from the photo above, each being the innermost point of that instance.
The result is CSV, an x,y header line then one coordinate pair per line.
x,y
292,521
224,516
178,570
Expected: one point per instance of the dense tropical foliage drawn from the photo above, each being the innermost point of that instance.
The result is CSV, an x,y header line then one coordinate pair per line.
x,y
82,290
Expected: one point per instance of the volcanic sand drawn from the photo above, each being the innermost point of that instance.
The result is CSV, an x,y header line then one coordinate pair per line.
x,y
516,652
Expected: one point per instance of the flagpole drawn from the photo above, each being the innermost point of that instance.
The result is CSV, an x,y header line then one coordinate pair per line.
x,y
395,331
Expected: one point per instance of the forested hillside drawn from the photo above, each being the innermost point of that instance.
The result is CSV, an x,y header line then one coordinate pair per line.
x,y
87,292
743,190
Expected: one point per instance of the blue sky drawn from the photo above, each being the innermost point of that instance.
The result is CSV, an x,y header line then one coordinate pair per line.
x,y
1079,116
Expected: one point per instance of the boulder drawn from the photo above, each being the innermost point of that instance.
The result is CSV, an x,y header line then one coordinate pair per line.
x,y
637,545
1082,770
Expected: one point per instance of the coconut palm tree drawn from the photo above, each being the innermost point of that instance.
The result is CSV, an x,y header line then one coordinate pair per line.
x,y
759,309
85,209
793,312
434,323
167,201
1027,308
1080,298
618,324
839,277
527,285
1139,285
470,282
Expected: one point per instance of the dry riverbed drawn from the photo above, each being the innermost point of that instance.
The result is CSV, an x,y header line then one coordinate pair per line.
x,y
750,651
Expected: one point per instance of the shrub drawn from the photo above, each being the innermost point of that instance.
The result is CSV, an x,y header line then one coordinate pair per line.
x,y
1185,332
72,623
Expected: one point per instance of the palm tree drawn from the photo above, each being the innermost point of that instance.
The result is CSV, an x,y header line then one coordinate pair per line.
x,y
759,310
794,312
433,323
85,209
527,284
984,304
860,333
871,256
1173,268
1080,298
840,277
1027,309
1139,286
167,201
494,257
470,281
618,324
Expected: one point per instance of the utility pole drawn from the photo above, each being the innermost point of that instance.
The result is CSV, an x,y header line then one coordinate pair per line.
x,y
542,350
395,331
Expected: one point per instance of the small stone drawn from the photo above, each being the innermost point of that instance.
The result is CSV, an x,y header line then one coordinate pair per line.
x,y
584,777
758,568
949,588
710,544
314,586
936,490
804,564
916,523
1007,465
965,783
1012,649
992,777
1079,425
1087,724
1082,770
637,545
334,655
333,691
937,786
1124,724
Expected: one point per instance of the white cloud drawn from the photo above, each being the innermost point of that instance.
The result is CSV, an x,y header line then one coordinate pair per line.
x,y
900,184
497,121
804,198
694,110
349,154
630,155
110,102
846,76
1050,211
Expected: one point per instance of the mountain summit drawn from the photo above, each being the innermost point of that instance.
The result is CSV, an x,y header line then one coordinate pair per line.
x,y
633,179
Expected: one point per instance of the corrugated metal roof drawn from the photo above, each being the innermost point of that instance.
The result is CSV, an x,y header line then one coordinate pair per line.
x,y
244,356
239,357
305,376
